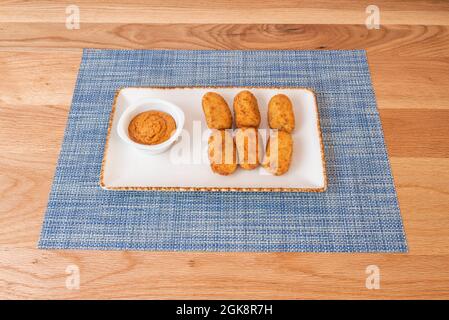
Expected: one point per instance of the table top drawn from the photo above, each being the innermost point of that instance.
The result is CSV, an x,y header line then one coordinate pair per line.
x,y
409,62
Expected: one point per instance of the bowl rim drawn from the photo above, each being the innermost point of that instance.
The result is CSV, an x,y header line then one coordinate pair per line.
x,y
179,119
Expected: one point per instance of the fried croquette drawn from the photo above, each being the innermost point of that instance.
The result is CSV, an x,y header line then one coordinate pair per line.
x,y
280,113
278,153
246,110
217,112
248,145
222,152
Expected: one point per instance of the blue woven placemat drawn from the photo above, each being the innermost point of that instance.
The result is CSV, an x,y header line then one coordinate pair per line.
x,y
358,213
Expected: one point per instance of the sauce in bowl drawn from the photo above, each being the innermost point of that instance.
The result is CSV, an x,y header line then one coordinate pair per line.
x,y
151,127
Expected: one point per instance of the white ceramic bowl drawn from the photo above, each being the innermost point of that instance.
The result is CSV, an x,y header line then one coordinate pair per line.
x,y
148,104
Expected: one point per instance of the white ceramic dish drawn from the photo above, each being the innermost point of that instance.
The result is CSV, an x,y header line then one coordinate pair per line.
x,y
185,166
147,104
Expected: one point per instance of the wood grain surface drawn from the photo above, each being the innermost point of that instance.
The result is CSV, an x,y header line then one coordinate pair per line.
x,y
409,63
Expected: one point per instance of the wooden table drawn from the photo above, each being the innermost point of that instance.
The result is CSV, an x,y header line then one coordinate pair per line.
x,y
409,61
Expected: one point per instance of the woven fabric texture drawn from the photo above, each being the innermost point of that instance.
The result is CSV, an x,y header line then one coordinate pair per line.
x,y
358,213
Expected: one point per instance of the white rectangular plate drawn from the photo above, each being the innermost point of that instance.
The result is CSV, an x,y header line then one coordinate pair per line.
x,y
125,168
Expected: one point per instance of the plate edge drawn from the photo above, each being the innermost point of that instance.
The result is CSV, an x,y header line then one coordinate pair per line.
x,y
213,189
